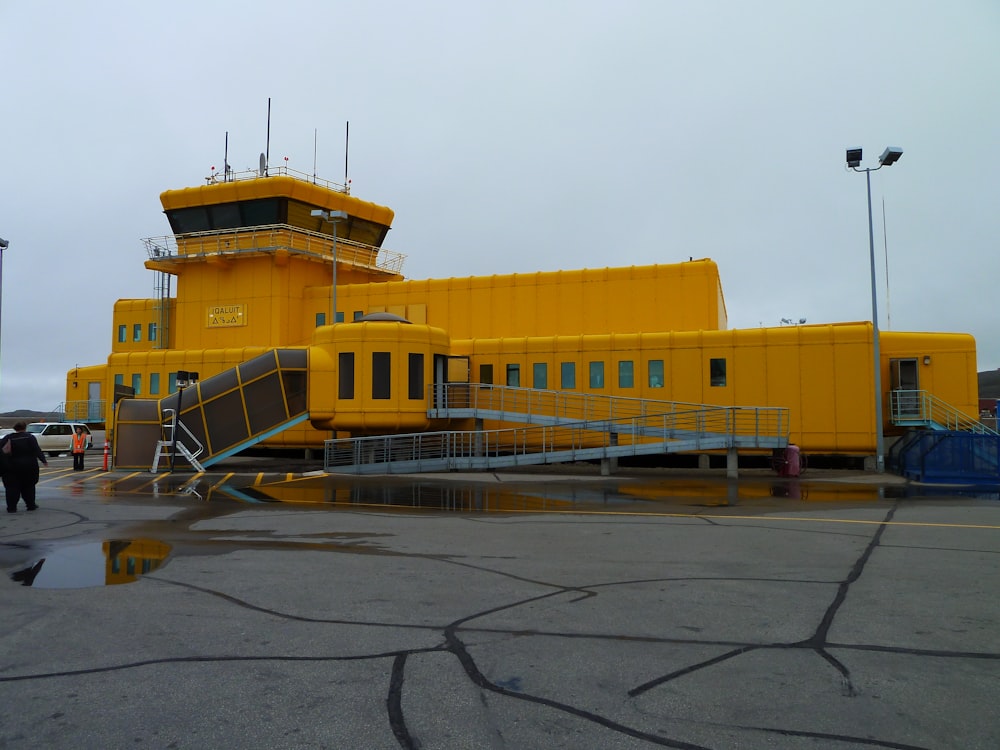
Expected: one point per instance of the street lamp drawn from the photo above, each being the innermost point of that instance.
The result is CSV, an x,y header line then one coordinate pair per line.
x,y
333,217
889,157
3,246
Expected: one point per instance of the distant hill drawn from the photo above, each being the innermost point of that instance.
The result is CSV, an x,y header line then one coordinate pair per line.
x,y
9,418
989,384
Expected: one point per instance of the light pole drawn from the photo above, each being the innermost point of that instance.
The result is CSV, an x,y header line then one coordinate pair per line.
x,y
3,246
888,158
333,217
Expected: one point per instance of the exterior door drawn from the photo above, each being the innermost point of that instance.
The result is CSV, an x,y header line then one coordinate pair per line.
x,y
450,370
94,403
905,387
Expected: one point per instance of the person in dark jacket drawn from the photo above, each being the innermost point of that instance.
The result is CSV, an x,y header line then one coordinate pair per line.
x,y
20,471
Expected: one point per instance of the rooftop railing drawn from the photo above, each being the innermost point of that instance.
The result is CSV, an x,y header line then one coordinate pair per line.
x,y
272,237
231,175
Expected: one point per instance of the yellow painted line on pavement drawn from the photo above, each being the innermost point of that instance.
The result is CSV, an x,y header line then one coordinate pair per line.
x,y
193,480
762,517
223,480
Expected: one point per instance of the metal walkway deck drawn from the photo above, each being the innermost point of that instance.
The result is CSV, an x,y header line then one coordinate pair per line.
x,y
563,427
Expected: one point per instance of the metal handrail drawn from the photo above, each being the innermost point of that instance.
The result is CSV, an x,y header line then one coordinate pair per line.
x,y
172,424
568,406
598,425
908,406
254,174
647,434
82,410
270,237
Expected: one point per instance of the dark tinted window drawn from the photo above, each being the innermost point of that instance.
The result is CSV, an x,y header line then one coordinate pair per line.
x,y
345,375
185,220
381,374
226,216
717,368
416,376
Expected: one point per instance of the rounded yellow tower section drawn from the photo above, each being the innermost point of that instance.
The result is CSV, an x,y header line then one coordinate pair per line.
x,y
373,376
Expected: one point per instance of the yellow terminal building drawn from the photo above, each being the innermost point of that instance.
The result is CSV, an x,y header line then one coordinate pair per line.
x,y
274,288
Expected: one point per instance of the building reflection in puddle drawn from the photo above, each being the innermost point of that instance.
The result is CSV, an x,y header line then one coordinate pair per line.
x,y
94,564
569,496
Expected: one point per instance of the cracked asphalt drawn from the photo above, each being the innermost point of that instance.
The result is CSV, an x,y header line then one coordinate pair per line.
x,y
547,610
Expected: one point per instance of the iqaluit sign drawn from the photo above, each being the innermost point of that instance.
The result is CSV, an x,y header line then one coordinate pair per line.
x,y
226,316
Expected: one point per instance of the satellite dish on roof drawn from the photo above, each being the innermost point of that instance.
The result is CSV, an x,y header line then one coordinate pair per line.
x,y
263,165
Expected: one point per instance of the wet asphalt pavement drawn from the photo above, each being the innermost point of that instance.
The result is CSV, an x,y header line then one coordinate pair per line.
x,y
557,609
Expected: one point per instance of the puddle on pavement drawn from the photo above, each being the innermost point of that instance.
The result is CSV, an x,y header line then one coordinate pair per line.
x,y
93,564
560,496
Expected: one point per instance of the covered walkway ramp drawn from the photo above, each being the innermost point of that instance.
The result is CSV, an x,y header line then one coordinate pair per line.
x,y
557,427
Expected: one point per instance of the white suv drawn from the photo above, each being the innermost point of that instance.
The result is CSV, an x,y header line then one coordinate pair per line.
x,y
57,437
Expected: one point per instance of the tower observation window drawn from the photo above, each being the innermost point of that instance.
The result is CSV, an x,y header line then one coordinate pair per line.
x,y
228,215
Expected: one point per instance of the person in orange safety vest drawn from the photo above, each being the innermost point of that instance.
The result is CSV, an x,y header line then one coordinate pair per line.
x,y
79,448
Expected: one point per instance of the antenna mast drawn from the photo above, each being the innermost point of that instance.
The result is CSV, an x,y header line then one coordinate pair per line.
x,y
347,142
267,150
314,156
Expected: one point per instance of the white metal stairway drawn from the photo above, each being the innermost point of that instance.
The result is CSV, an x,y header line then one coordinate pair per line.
x,y
170,446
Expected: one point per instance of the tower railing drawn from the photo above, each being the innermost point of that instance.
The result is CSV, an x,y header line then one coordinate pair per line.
x,y
270,238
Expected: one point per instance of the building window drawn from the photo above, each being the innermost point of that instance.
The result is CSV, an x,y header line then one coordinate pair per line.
x,y
151,332
381,375
320,319
171,382
359,314
340,317
416,376
514,375
626,376
539,375
345,375
596,374
567,375
119,379
154,384
486,374
717,372
655,373
137,383
137,332
122,334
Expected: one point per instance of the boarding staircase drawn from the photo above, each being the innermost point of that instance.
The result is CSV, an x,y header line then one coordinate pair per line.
x,y
942,444
216,418
555,427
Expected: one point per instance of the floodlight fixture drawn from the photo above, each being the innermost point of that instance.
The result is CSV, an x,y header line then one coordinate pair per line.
x,y
3,243
854,157
328,215
890,156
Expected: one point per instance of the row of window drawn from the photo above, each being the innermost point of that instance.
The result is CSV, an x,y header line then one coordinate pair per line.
x,y
321,317
153,383
136,332
596,374
151,328
382,376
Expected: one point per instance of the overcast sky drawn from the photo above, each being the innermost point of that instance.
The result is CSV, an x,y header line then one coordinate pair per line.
x,y
512,137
